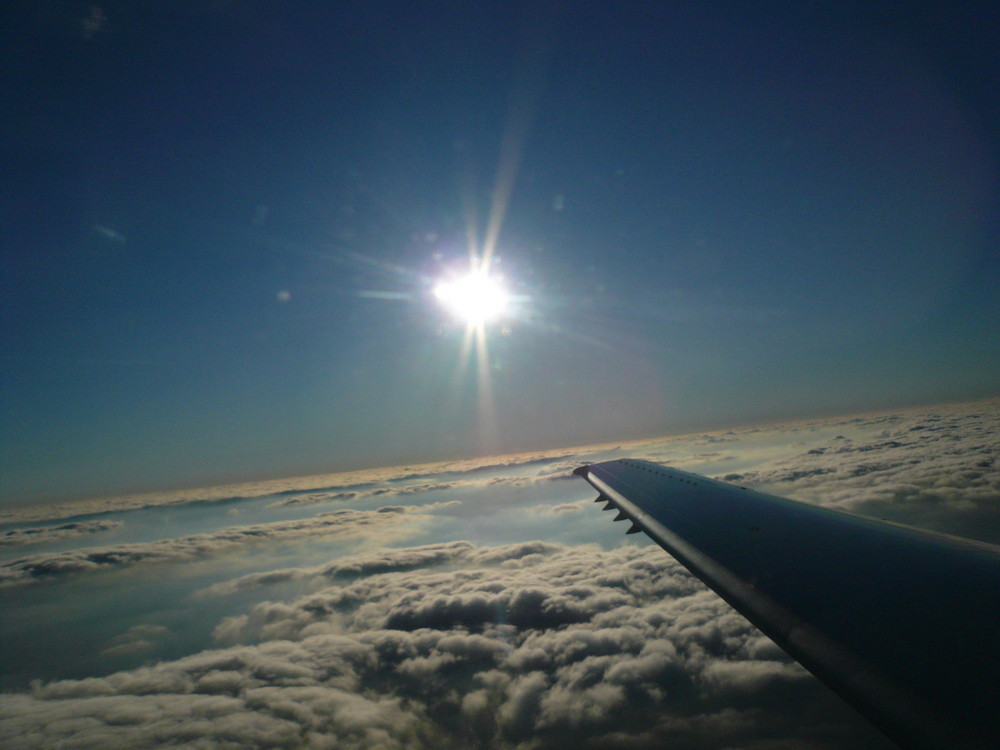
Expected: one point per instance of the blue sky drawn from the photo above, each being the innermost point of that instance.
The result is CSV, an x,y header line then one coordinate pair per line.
x,y
718,216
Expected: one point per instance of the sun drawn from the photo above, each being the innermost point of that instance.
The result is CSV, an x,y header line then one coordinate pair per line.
x,y
475,298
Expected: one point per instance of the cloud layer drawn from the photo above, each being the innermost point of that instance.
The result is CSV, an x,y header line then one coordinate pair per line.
x,y
47,534
935,468
354,523
300,490
530,645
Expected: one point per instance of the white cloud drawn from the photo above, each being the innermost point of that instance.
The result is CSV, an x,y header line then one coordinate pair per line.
x,y
138,638
936,468
373,524
318,488
47,534
450,645
562,509
532,645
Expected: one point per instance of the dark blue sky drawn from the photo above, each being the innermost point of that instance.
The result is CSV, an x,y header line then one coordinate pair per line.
x,y
720,214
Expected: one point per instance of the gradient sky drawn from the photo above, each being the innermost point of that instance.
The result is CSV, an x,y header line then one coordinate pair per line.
x,y
222,222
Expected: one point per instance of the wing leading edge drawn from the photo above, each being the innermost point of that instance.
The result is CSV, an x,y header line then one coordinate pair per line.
x,y
901,623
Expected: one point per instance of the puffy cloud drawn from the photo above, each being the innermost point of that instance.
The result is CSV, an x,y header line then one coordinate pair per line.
x,y
317,497
361,494
531,645
376,523
935,468
346,568
562,508
137,638
260,718
47,534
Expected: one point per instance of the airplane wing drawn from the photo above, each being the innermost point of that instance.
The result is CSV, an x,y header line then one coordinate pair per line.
x,y
903,624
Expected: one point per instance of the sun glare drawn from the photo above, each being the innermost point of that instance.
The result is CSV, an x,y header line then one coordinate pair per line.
x,y
475,298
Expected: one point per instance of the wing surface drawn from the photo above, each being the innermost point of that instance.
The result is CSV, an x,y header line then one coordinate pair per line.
x,y
901,623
